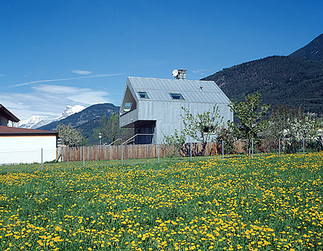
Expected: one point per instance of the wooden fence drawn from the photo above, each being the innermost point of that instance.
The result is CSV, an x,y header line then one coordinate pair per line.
x,y
131,151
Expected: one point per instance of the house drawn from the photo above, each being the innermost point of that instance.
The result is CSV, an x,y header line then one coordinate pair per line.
x,y
6,116
153,107
20,145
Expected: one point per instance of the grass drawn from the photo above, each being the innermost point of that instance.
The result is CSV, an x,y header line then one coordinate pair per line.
x,y
268,202
72,165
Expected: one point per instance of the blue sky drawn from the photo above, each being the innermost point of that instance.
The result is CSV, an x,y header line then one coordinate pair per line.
x,y
58,53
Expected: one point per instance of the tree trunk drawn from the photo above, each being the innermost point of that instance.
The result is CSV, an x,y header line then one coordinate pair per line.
x,y
204,148
249,147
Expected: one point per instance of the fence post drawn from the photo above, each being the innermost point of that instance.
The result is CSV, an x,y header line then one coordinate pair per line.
x,y
83,158
222,149
122,154
158,152
191,150
42,158
279,146
303,146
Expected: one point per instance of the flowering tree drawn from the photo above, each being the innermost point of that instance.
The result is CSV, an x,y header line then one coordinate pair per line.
x,y
292,126
175,141
226,134
280,119
279,124
69,135
202,126
250,115
300,129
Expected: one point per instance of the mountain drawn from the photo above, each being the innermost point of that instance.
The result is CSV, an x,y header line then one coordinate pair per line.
x,y
33,122
312,51
69,110
39,121
86,120
287,80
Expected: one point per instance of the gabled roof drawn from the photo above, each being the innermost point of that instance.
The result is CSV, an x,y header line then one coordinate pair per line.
x,y
7,114
14,131
194,91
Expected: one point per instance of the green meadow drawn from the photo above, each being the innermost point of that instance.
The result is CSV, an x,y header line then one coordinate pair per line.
x,y
267,202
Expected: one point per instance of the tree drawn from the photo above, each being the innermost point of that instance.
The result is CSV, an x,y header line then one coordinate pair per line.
x,y
226,134
302,128
250,115
280,123
319,126
291,124
280,117
175,141
69,136
202,126
110,129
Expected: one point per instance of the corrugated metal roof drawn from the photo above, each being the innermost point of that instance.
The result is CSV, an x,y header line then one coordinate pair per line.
x,y
160,89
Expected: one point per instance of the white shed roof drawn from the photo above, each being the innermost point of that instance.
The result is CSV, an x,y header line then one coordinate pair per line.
x,y
160,89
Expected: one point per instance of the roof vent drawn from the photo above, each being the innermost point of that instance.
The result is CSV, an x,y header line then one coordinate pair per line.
x,y
179,74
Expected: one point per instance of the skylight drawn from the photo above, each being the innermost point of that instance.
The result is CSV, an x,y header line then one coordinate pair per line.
x,y
177,96
143,95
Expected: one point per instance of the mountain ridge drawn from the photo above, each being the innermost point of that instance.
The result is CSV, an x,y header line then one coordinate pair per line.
x,y
312,51
33,122
70,110
86,120
37,121
88,114
289,80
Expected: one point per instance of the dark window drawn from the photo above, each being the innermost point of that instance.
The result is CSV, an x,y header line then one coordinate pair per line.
x,y
177,96
143,95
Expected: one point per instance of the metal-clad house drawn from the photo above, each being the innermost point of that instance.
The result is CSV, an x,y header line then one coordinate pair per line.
x,y
154,106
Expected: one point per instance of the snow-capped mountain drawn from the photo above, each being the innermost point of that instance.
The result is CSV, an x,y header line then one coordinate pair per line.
x,y
33,122
39,121
69,110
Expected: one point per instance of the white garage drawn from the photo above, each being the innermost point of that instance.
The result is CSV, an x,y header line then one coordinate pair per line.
x,y
20,145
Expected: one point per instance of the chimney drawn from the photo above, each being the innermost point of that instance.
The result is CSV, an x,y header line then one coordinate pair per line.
x,y
179,74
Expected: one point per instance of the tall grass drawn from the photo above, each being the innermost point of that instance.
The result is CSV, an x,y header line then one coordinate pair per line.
x,y
264,203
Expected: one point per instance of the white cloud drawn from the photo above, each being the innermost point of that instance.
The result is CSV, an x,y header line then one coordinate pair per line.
x,y
3,75
65,79
58,89
84,96
81,72
50,100
89,97
201,71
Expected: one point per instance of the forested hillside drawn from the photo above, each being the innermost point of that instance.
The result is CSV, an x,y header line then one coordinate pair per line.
x,y
287,80
312,51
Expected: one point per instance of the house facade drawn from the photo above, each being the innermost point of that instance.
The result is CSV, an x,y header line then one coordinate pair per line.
x,y
153,107
6,116
20,145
